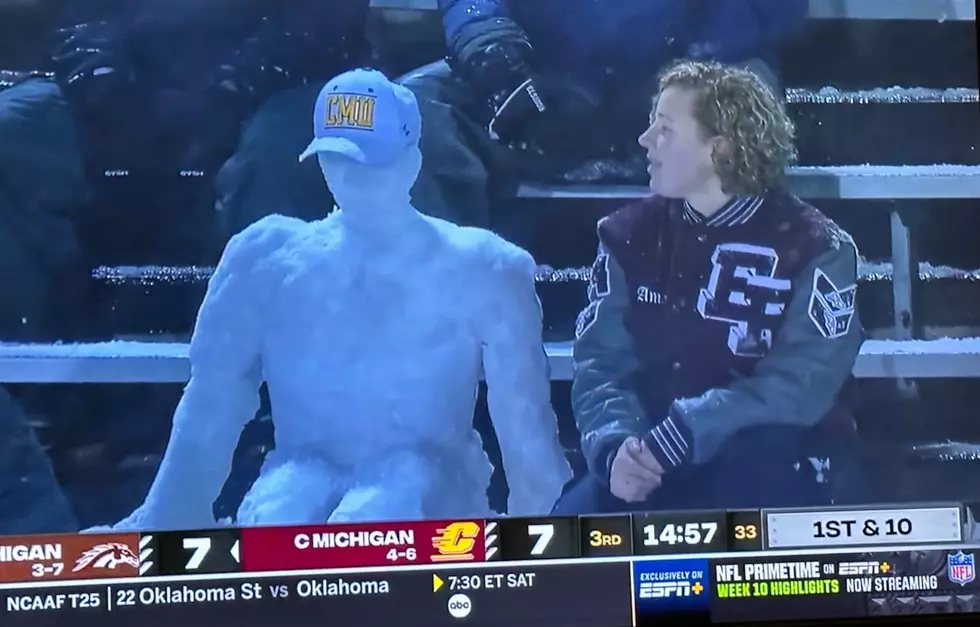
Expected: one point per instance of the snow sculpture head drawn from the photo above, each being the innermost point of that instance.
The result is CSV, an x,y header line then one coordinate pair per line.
x,y
366,132
376,190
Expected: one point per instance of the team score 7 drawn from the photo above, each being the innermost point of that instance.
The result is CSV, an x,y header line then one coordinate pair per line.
x,y
687,533
54,569
408,554
199,548
543,535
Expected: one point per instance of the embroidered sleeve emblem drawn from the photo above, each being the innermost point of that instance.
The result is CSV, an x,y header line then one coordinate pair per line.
x,y
831,308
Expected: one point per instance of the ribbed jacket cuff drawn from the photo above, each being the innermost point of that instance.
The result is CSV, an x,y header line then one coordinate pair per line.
x,y
670,443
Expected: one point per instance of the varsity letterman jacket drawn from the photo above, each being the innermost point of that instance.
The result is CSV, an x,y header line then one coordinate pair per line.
x,y
698,328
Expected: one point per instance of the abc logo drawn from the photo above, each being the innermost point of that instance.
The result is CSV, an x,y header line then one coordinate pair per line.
x,y
459,606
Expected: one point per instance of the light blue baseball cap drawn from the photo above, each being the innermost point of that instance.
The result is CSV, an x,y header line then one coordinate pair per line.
x,y
362,115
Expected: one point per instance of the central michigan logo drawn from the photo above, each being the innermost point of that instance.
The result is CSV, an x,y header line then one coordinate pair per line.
x,y
350,111
455,542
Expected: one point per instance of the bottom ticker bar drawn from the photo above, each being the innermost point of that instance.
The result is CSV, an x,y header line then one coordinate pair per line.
x,y
581,595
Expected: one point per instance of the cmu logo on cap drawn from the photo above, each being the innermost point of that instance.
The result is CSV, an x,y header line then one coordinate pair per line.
x,y
350,111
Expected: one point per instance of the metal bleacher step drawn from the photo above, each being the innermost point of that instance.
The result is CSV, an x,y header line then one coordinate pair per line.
x,y
881,95
939,10
868,271
167,362
162,361
864,182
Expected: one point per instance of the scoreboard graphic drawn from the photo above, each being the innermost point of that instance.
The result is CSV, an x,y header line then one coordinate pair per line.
x,y
276,549
729,566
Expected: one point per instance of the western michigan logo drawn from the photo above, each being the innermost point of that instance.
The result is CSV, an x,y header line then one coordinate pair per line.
x,y
350,111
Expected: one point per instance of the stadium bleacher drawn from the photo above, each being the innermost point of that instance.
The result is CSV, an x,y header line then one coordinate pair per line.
x,y
903,356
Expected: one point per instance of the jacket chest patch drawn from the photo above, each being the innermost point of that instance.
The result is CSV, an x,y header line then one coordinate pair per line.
x,y
743,292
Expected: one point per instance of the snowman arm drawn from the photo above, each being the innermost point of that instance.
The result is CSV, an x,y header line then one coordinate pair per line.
x,y
519,388
226,373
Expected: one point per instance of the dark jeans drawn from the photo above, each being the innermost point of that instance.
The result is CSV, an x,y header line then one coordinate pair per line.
x,y
757,468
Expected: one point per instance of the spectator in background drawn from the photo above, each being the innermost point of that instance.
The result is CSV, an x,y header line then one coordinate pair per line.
x,y
151,89
564,76
264,176
41,182
37,249
567,77
166,90
147,90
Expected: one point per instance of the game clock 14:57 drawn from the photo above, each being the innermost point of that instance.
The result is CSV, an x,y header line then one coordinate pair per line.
x,y
679,532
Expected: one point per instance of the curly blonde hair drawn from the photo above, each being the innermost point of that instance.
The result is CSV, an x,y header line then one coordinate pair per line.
x,y
735,104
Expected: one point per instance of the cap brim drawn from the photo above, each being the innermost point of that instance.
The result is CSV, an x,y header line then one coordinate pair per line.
x,y
335,145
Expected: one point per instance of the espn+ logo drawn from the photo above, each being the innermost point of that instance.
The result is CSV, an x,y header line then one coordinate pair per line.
x,y
861,568
653,586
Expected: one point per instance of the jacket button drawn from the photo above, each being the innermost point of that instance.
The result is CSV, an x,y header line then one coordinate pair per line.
x,y
702,238
677,365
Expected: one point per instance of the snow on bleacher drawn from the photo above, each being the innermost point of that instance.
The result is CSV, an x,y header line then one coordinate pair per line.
x,y
882,95
868,271
868,182
124,361
939,10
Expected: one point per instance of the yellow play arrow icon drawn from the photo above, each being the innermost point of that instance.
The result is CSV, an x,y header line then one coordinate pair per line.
x,y
436,582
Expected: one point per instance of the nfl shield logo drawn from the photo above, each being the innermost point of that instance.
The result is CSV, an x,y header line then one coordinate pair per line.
x,y
959,568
